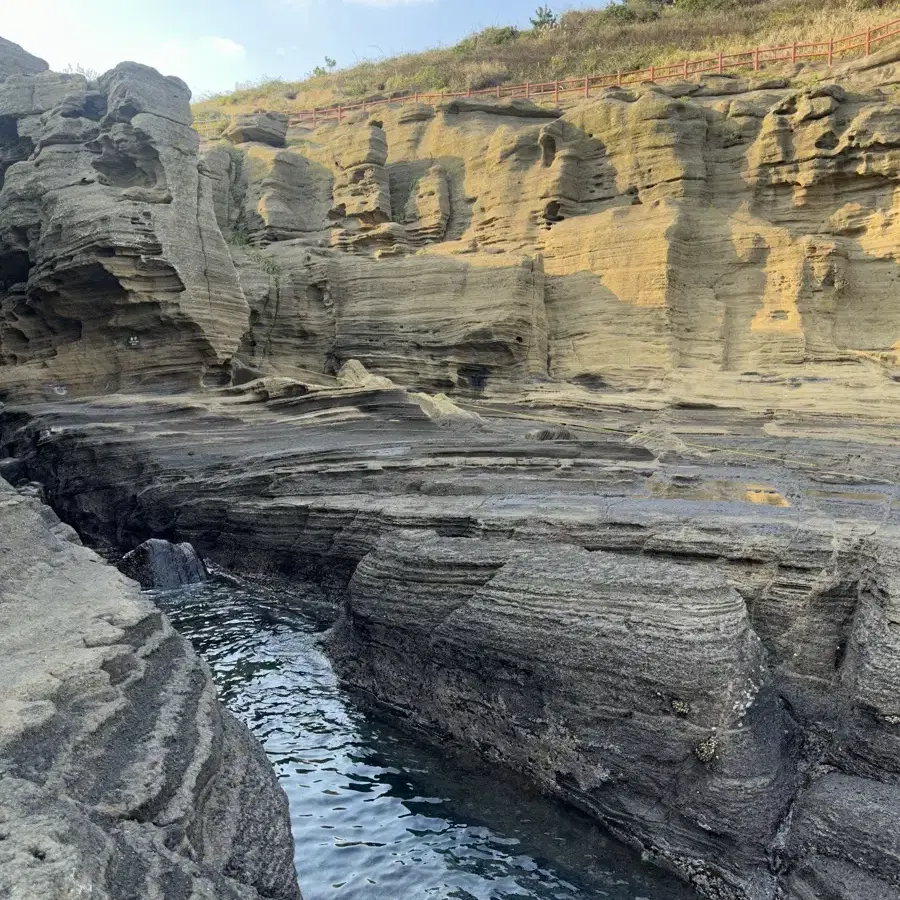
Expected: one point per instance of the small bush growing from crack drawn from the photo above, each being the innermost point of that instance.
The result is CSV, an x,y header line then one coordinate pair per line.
x,y
706,751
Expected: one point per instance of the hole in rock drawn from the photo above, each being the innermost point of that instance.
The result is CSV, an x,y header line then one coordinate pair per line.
x,y
130,162
14,269
376,124
552,212
828,141
590,381
548,145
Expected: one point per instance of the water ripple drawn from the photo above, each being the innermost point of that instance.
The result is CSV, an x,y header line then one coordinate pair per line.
x,y
375,814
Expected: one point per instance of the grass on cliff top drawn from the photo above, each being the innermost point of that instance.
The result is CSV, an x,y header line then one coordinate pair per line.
x,y
631,34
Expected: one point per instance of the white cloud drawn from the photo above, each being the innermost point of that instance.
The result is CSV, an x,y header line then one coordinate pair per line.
x,y
98,34
205,63
224,47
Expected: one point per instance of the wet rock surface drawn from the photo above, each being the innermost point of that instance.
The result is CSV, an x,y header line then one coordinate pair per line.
x,y
162,565
119,769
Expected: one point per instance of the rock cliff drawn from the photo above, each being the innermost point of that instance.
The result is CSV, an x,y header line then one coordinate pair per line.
x,y
643,543
120,773
113,272
722,227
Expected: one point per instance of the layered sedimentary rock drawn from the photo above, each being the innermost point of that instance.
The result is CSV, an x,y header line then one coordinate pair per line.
x,y
14,60
674,618
113,271
583,423
721,227
120,773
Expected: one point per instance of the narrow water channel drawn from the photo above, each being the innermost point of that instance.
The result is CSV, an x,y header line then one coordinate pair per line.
x,y
375,814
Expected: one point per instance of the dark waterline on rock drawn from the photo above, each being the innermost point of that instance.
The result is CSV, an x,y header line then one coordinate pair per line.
x,y
376,814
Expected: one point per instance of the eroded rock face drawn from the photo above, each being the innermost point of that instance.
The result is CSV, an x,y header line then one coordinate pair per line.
x,y
635,686
683,624
119,769
700,229
644,547
113,271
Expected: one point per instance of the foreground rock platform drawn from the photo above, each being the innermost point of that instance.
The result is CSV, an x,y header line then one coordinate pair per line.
x,y
120,772
677,618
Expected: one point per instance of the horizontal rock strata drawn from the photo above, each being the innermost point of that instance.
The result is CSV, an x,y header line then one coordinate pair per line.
x,y
695,646
583,423
120,773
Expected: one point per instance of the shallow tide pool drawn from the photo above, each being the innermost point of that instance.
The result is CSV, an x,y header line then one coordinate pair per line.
x,y
375,813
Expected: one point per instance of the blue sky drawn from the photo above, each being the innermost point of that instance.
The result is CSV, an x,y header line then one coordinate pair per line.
x,y
214,44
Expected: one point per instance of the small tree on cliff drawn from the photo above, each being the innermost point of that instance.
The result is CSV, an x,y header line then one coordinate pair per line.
x,y
544,17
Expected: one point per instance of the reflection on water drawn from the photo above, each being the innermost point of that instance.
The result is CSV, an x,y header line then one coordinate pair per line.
x,y
375,814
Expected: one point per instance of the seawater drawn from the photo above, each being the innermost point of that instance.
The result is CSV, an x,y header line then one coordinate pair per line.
x,y
377,814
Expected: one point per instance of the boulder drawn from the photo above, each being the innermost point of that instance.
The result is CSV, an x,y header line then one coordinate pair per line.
x,y
260,128
160,564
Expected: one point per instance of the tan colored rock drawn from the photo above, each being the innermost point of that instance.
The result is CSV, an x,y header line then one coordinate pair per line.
x,y
354,374
262,128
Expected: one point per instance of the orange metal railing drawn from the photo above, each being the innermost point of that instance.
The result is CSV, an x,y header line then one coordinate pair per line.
x,y
862,43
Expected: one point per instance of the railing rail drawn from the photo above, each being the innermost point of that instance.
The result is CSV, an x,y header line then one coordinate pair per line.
x,y
862,42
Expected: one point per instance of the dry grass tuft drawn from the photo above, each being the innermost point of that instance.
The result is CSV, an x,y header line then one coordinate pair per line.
x,y
627,35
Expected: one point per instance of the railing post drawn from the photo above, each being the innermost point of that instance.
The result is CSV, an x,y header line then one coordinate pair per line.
x,y
721,63
756,59
794,53
831,51
587,86
527,89
685,69
417,96
652,74
619,78
556,91
315,116
868,41
468,92
340,114
498,91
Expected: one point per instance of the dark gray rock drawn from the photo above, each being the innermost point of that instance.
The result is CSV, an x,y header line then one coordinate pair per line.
x,y
660,639
160,564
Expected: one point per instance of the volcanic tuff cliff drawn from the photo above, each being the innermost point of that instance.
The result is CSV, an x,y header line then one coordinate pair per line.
x,y
647,552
